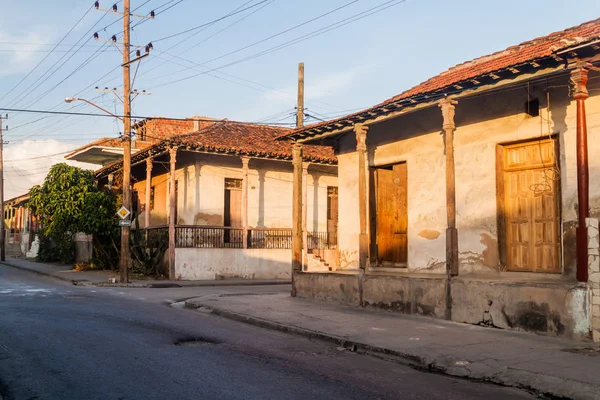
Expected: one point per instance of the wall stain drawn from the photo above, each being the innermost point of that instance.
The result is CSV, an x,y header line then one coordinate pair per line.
x,y
534,317
208,219
429,234
490,256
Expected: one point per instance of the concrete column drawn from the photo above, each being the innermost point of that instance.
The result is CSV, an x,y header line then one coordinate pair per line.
x,y
593,248
172,211
448,105
148,192
361,147
579,78
304,213
296,214
245,162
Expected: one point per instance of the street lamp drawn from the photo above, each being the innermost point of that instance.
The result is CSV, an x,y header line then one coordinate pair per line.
x,y
125,229
72,99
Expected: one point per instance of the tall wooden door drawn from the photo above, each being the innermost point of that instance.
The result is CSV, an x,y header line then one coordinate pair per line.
x,y
233,203
332,215
531,189
391,214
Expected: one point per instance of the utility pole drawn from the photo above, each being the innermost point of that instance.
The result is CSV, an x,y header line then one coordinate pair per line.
x,y
297,231
126,229
300,107
2,230
124,261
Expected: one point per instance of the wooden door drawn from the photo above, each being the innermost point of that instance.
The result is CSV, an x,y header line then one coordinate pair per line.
x,y
391,214
233,203
531,207
332,215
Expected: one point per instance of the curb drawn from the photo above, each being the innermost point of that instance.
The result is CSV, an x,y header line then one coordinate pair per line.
x,y
546,386
159,285
60,278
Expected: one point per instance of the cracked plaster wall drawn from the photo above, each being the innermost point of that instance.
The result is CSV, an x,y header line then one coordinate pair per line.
x,y
482,123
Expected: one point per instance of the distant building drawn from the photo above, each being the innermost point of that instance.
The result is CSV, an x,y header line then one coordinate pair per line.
x,y
230,199
148,132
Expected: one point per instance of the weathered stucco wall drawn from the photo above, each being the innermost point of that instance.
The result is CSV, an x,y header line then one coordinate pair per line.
x,y
408,295
338,288
482,122
201,184
209,264
553,309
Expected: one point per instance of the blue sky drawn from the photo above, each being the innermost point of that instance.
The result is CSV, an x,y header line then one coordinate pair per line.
x,y
352,67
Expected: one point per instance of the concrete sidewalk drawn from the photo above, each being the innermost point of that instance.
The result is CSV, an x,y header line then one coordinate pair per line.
x,y
548,366
101,278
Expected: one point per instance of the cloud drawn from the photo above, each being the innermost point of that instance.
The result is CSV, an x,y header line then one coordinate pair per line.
x,y
20,56
27,163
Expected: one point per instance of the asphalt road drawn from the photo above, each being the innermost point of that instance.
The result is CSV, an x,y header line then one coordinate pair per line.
x,y
59,341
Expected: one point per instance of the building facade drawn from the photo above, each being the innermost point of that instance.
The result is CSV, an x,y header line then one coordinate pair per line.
x,y
224,193
475,196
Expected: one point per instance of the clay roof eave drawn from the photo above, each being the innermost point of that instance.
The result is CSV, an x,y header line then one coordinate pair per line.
x,y
555,54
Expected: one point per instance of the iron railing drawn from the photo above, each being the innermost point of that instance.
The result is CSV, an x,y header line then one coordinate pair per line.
x,y
265,238
223,237
218,237
321,240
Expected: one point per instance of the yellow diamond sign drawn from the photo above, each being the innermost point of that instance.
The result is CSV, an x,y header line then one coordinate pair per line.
x,y
123,212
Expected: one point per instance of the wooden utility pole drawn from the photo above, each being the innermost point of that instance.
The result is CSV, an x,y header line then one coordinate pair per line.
x,y
2,230
126,230
297,244
300,108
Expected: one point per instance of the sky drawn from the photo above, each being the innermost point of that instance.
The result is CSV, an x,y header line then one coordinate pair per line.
x,y
236,59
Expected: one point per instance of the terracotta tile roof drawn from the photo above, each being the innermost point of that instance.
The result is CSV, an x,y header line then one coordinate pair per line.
x,y
233,138
526,52
250,139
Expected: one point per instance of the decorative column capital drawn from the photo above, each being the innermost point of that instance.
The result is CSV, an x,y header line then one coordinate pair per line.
x,y
579,78
245,162
448,107
361,137
297,154
305,166
173,154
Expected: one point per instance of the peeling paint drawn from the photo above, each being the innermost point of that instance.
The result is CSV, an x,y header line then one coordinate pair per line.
x,y
429,234
490,257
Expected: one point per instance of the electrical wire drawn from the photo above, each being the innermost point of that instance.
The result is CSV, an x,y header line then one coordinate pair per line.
x,y
100,115
48,55
302,38
209,23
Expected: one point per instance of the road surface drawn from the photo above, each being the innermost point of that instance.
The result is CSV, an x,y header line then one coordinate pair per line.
x,y
59,341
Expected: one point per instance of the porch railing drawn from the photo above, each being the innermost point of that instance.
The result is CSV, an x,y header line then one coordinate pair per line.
x,y
223,237
321,240
274,238
219,237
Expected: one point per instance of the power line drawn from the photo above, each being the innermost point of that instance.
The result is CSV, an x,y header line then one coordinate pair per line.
x,y
283,32
107,115
209,23
302,38
201,30
48,55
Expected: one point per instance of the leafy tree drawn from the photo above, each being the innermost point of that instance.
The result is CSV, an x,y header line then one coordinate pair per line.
x,y
69,202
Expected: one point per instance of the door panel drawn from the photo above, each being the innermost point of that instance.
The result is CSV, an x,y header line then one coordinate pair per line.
x,y
391,214
531,207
